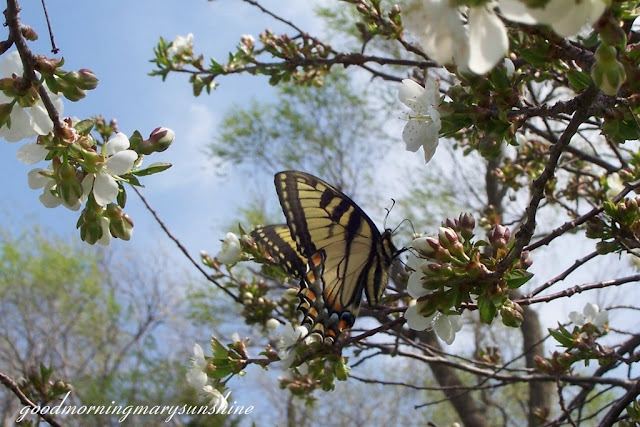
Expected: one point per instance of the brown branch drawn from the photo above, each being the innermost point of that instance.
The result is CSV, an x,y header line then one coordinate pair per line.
x,y
581,219
13,22
578,401
578,263
524,234
182,248
569,292
15,389
612,415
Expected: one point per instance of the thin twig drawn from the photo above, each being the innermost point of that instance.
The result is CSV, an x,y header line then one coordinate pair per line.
x,y
54,48
182,248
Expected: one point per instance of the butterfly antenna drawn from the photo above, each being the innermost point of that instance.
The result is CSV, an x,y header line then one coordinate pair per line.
x,y
402,222
384,223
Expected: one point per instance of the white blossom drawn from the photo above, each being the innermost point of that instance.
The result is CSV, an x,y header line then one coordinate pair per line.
x,y
26,122
488,41
231,251
196,376
415,320
181,45
215,398
286,340
591,313
566,17
272,324
43,178
445,326
119,160
439,30
424,123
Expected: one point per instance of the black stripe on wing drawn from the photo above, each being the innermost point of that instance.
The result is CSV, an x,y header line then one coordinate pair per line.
x,y
277,242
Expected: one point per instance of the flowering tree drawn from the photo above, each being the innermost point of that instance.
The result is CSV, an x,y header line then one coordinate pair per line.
x,y
542,94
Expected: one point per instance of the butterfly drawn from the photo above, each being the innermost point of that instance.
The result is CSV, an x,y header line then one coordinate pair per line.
x,y
332,246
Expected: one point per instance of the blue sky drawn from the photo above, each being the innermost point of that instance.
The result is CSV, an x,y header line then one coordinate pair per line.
x,y
115,39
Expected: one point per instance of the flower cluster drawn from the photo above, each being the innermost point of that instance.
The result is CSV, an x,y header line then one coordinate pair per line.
x,y
197,378
580,343
82,169
452,269
618,229
482,42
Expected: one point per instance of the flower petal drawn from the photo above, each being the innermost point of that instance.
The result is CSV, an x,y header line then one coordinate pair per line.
x,y
32,153
11,64
414,134
409,93
415,320
601,319
36,179
106,234
516,11
414,285
105,189
20,126
488,41
87,184
576,318
48,199
115,144
41,123
590,310
121,162
444,329
197,378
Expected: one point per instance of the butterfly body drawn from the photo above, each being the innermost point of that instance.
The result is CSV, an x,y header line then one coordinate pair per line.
x,y
341,249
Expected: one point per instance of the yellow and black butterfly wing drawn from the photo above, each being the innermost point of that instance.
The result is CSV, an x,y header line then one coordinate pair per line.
x,y
276,241
346,252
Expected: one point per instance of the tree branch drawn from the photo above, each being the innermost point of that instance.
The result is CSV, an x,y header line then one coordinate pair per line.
x,y
15,389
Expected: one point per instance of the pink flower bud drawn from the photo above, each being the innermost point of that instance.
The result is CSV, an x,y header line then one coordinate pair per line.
x,y
86,79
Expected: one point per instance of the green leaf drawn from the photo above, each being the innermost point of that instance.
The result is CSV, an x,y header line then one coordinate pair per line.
x,y
152,169
131,180
487,309
578,80
84,127
562,337
135,139
518,277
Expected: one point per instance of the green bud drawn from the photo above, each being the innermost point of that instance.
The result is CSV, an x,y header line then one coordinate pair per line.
x,y
120,225
86,79
73,93
159,140
606,53
341,370
512,314
607,72
69,187
91,160
90,223
611,32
